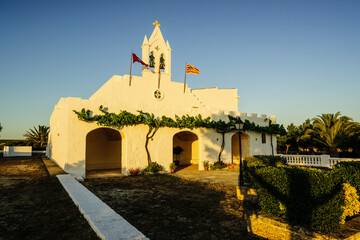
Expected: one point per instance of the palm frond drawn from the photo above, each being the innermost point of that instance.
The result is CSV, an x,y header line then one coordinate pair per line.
x,y
38,136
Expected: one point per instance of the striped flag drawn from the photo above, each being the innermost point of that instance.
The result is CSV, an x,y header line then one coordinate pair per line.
x,y
191,69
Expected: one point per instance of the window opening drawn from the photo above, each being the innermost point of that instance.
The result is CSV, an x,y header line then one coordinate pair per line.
x,y
162,62
151,60
263,138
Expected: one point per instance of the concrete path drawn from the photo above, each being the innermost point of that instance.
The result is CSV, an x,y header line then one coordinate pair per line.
x,y
106,222
52,168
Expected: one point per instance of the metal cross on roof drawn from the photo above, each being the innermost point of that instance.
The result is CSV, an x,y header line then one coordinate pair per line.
x,y
156,24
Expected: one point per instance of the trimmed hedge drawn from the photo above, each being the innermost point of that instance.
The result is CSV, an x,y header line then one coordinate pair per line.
x,y
262,161
265,160
308,197
350,173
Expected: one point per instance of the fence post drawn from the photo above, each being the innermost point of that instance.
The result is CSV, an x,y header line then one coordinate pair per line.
x,y
325,161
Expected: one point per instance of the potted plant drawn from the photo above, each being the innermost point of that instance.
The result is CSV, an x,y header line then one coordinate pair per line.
x,y
177,151
173,167
231,166
206,165
134,171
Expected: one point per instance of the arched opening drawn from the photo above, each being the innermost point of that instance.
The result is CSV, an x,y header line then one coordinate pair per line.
x,y
263,138
189,142
103,149
151,60
245,147
162,63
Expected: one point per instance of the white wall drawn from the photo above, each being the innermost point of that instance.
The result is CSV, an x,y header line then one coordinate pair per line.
x,y
67,144
14,151
67,139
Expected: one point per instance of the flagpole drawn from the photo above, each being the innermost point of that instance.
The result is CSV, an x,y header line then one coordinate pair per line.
x,y
185,77
131,62
159,73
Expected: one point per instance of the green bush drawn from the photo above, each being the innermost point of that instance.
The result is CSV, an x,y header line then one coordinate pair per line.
x,y
266,160
303,196
314,198
350,173
218,165
307,197
154,167
352,204
262,161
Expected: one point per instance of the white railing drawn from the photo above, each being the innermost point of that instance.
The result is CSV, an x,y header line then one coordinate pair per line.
x,y
315,160
333,161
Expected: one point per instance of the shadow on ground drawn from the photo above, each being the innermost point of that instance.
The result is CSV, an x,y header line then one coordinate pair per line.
x,y
34,205
167,207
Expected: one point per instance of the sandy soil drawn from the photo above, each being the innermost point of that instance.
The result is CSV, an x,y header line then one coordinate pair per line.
x,y
35,206
166,207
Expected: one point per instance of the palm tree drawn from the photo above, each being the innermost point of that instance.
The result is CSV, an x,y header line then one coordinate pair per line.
x,y
331,130
39,136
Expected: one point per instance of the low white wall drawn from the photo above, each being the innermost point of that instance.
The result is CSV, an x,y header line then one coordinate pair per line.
x,y
13,151
315,160
334,161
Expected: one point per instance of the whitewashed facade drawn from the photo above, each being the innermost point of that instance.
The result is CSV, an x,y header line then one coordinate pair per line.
x,y
78,147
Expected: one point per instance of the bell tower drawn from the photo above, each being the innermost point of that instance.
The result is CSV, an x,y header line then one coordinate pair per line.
x,y
157,53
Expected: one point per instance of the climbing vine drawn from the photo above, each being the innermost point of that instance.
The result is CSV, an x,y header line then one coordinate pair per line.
x,y
125,118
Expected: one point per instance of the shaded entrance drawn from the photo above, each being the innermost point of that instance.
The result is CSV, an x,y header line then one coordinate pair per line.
x,y
245,147
103,149
189,142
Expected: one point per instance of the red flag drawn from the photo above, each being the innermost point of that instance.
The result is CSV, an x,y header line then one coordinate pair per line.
x,y
136,59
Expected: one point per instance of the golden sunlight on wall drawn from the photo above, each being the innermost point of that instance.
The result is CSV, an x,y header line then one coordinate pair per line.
x,y
245,147
195,152
103,149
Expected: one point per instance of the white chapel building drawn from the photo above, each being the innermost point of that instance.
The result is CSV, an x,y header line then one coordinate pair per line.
x,y
78,147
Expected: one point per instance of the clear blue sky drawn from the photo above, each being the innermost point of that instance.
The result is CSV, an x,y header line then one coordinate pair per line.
x,y
292,59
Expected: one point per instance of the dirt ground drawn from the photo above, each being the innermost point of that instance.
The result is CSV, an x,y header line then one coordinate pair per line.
x,y
167,207
35,206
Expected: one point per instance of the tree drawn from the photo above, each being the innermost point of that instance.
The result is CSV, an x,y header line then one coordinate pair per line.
x,y
154,124
38,136
222,128
331,131
0,127
289,141
304,142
